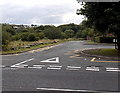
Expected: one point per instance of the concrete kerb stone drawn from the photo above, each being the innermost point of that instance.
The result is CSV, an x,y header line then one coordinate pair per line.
x,y
82,52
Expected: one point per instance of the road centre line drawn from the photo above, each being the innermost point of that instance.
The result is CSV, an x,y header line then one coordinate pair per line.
x,y
18,64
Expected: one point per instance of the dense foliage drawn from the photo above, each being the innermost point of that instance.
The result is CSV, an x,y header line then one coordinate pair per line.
x,y
103,16
35,33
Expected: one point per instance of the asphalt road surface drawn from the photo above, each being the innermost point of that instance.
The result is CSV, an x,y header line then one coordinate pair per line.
x,y
58,68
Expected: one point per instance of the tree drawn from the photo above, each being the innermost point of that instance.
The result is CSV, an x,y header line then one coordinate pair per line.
x,y
40,35
52,33
69,33
103,16
32,37
8,28
5,40
24,36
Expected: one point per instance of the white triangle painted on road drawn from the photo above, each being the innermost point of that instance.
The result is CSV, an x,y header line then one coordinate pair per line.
x,y
51,60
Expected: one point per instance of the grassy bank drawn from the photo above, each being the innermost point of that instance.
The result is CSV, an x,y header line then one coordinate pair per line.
x,y
104,52
21,46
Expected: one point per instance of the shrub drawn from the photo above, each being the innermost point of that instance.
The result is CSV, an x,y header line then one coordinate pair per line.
x,y
32,37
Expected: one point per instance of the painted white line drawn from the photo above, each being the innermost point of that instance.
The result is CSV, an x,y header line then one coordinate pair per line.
x,y
92,69
93,59
53,68
69,90
112,68
39,65
18,64
51,60
73,67
36,67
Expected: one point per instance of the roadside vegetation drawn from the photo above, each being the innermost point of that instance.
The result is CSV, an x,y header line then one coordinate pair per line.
x,y
104,18
19,38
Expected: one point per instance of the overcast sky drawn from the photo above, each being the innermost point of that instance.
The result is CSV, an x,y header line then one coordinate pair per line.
x,y
40,12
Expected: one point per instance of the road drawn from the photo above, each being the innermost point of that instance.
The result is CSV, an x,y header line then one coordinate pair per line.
x,y
59,68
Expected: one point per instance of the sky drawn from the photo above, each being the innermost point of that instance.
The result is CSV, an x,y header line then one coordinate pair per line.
x,y
40,12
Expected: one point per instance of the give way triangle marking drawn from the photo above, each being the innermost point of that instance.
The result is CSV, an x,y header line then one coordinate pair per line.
x,y
51,60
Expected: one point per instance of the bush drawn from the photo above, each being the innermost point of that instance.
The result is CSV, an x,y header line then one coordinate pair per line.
x,y
32,37
40,35
52,33
69,33
5,38
24,36
16,37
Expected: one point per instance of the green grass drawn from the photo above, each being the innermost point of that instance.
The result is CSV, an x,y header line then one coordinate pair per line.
x,y
20,50
104,52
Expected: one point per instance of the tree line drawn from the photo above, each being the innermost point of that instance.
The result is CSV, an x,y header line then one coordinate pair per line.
x,y
35,33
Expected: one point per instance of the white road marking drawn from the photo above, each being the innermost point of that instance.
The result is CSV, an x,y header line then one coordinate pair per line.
x,y
51,60
39,65
18,64
112,69
73,68
69,90
36,67
92,68
53,68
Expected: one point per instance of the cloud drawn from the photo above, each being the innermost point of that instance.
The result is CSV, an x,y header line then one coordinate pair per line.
x,y
40,12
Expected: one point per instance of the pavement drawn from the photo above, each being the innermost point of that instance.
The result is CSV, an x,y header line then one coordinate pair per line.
x,y
59,68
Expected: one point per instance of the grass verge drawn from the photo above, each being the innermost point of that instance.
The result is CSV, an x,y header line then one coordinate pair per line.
x,y
31,48
110,52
